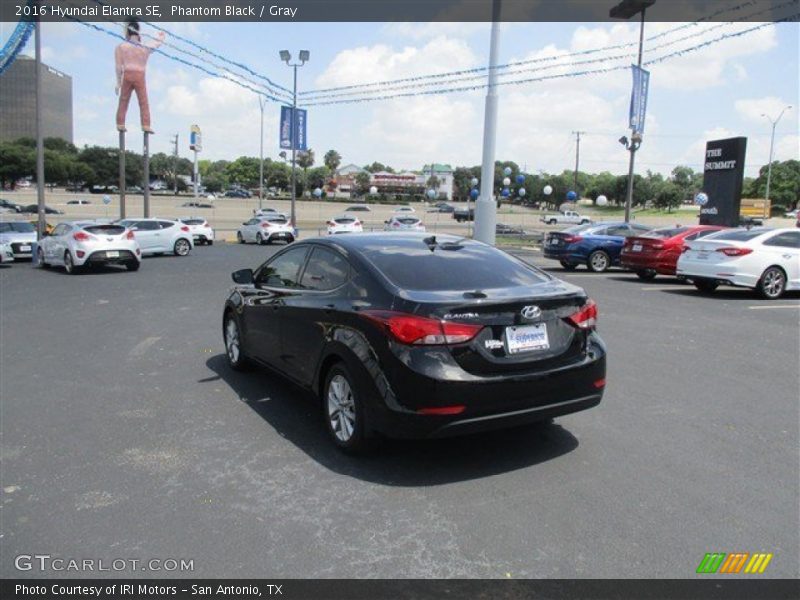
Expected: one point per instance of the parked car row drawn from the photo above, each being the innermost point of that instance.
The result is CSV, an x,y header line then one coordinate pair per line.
x,y
767,260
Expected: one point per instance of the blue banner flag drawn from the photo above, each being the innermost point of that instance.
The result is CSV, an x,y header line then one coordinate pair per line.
x,y
293,136
641,83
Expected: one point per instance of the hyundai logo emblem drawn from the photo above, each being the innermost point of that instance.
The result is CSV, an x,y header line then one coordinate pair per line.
x,y
531,312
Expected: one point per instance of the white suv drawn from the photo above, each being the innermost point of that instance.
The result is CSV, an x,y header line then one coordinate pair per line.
x,y
265,230
159,236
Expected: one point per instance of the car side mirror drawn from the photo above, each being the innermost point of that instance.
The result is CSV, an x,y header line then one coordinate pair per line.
x,y
244,223
242,276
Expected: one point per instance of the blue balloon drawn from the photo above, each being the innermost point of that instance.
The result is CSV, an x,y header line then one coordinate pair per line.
x,y
572,196
474,193
520,179
505,193
507,171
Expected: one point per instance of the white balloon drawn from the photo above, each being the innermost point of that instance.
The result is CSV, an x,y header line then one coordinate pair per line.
x,y
317,192
474,182
373,190
522,192
547,190
601,200
506,182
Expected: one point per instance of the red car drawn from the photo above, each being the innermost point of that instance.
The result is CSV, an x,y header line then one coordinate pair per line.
x,y
656,252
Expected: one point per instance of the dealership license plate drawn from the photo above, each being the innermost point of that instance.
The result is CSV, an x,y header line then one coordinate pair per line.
x,y
112,254
24,248
554,242
637,248
702,255
527,338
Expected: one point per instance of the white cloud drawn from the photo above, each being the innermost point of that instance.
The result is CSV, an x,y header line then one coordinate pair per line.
x,y
754,109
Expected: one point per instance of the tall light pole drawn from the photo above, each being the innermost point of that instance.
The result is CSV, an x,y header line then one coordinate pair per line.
x,y
261,102
625,10
772,143
286,57
42,222
485,208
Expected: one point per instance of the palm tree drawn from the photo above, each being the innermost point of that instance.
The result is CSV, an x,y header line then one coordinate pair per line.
x,y
332,160
304,161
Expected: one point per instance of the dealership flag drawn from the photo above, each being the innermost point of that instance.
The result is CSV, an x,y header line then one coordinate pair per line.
x,y
641,81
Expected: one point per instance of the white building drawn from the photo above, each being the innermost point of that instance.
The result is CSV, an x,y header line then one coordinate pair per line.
x,y
444,173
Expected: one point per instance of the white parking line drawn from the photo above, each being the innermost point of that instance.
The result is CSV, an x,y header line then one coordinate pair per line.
x,y
661,288
771,306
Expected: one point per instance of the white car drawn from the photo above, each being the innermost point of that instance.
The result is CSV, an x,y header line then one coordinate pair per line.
x,y
344,224
404,223
267,212
76,244
265,230
6,253
159,236
201,231
404,209
21,235
767,260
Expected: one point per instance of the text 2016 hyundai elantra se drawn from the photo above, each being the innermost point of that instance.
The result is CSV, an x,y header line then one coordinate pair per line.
x,y
412,335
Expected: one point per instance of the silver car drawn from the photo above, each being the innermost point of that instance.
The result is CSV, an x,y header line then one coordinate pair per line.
x,y
404,223
21,235
6,253
265,230
159,236
77,244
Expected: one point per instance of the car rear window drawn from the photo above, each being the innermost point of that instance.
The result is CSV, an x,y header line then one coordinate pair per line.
x,y
16,227
194,221
345,220
104,229
412,266
665,233
407,220
737,235
579,228
279,220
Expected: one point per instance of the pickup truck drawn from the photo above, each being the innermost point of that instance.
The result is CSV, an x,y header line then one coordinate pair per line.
x,y
567,216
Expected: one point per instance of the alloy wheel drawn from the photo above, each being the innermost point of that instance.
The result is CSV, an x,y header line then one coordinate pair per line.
x,y
772,283
182,247
599,261
341,408
232,341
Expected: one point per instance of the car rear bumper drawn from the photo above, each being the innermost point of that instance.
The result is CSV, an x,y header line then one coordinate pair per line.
x,y
638,262
721,272
563,253
102,257
489,402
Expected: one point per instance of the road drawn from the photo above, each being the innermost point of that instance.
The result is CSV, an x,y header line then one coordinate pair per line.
x,y
124,435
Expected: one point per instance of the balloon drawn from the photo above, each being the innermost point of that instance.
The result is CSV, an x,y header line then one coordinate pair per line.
x,y
318,192
474,193
547,190
507,171
505,193
521,192
601,200
373,190
506,182
572,196
701,199
431,194
520,179
106,199
474,182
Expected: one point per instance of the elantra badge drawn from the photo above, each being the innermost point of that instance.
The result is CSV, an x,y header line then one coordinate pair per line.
x,y
531,312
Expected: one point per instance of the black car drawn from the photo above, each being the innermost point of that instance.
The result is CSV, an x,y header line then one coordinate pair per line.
x,y
409,335
11,205
462,214
34,208
238,193
442,207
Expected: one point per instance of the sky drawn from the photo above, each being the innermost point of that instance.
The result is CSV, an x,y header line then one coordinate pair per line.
x,y
719,91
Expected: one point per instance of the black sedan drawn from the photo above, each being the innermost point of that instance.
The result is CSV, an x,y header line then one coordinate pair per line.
x,y
409,335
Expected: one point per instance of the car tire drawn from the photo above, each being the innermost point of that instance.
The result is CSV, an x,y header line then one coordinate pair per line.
x,y
239,237
289,240
772,283
259,239
568,266
584,221
705,286
343,410
210,242
598,261
646,274
132,266
552,222
232,337
69,264
40,259
182,247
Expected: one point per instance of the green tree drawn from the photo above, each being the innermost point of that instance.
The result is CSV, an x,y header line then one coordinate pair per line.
x,y
376,167
305,160
668,197
362,183
784,185
243,171
332,160
317,177
16,162
602,184
277,174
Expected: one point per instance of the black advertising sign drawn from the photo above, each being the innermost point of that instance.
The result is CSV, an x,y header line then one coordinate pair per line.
x,y
723,176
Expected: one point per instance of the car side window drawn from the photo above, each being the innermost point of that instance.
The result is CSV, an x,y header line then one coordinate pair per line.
x,y
284,270
620,230
253,222
325,270
603,231
639,229
147,225
61,229
166,224
789,239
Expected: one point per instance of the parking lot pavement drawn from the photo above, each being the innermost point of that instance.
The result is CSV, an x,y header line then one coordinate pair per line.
x,y
124,435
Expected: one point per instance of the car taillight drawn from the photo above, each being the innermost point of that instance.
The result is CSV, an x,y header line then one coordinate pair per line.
x,y
572,239
184,228
357,223
129,235
331,223
411,329
734,251
395,224
82,236
265,225
586,317
657,246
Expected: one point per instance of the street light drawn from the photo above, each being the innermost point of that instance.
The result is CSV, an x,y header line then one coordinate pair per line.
x,y
625,10
772,143
286,57
261,102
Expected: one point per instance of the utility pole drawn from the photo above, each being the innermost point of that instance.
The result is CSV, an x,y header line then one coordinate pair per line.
x,y
261,102
577,135
303,58
485,207
175,161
